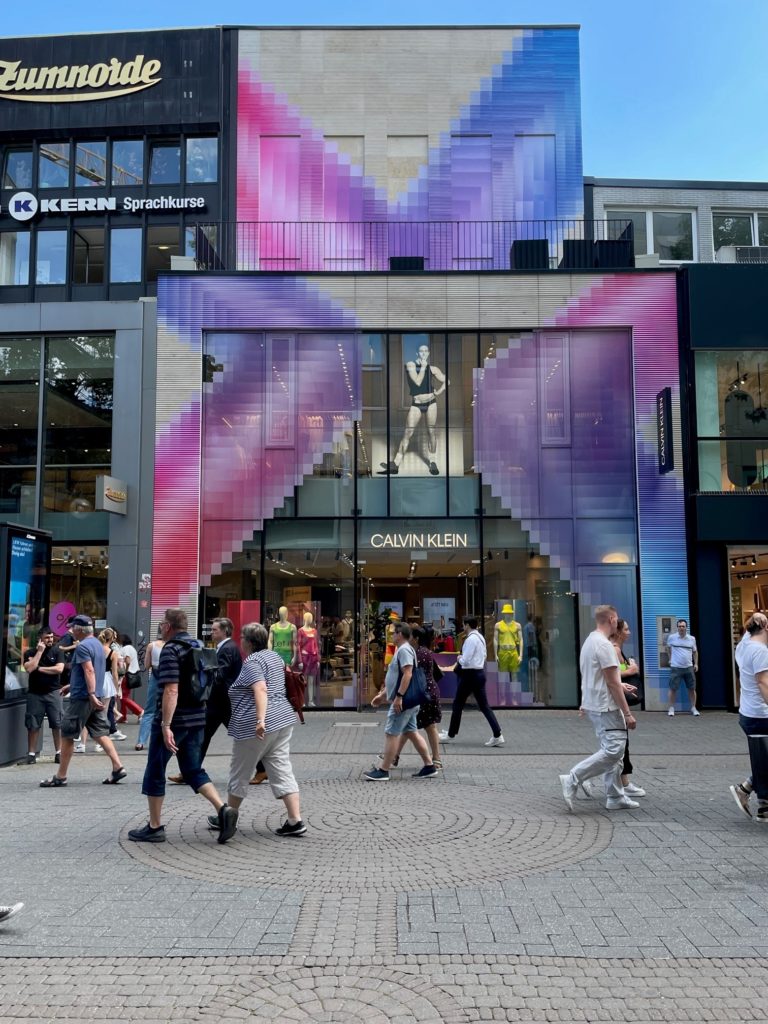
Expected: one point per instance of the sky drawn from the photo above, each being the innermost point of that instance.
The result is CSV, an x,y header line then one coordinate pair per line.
x,y
670,88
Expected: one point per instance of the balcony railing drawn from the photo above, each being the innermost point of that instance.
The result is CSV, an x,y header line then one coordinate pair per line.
x,y
358,246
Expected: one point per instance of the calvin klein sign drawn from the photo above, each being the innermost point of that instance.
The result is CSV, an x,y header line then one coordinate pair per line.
x,y
664,431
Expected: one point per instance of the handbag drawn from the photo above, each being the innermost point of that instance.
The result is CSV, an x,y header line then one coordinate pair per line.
x,y
416,694
132,680
295,690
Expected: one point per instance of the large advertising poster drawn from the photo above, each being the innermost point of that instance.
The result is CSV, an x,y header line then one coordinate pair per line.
x,y
26,569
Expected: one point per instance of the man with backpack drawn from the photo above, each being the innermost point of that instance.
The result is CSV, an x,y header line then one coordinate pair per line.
x,y
400,722
184,676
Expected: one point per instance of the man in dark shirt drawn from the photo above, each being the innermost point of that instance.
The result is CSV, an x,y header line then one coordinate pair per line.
x,y
179,729
45,665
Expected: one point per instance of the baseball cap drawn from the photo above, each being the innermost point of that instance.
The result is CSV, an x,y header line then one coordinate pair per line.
x,y
82,620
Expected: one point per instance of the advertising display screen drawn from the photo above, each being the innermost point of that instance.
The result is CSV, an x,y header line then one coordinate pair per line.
x,y
25,590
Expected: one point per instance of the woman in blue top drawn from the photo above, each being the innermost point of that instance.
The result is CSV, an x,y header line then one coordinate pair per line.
x,y
261,726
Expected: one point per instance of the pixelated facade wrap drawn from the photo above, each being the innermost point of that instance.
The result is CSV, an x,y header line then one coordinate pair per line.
x,y
502,144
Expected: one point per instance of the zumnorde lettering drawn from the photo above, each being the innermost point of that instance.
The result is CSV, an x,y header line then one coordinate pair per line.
x,y
136,74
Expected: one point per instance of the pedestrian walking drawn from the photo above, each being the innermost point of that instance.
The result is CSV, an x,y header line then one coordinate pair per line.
x,y
45,665
400,723
752,659
261,727
111,688
132,675
429,713
629,672
151,663
604,701
683,666
470,669
179,730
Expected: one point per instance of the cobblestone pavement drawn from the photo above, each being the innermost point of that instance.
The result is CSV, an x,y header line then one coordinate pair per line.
x,y
470,897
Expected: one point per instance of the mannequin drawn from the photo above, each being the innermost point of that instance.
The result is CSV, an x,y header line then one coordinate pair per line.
x,y
282,637
508,642
389,636
309,656
425,383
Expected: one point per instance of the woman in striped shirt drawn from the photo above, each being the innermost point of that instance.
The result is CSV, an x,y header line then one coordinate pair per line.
x,y
261,725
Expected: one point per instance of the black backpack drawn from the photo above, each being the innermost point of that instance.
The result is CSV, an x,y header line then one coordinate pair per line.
x,y
198,670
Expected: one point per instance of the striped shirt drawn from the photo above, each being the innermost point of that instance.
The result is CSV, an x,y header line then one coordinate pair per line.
x,y
261,666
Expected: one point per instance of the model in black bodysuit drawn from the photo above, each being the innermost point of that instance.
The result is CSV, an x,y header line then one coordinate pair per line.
x,y
425,383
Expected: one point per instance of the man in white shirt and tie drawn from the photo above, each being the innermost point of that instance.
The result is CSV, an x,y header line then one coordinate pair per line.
x,y
470,668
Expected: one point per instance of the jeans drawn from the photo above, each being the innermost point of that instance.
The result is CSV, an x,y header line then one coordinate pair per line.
x,y
611,732
472,684
189,740
756,727
150,710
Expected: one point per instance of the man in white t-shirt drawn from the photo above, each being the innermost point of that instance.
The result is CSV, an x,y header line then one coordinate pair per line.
x,y
683,665
604,701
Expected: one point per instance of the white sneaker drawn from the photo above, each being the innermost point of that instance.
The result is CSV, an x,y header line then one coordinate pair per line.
x,y
588,788
79,747
6,912
444,737
632,790
118,735
570,788
98,750
621,804
494,741
671,712
695,712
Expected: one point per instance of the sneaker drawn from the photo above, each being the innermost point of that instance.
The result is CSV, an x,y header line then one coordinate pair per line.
x,y
632,790
444,737
227,822
762,814
99,750
118,735
79,747
570,788
427,772
588,789
213,822
31,758
7,912
695,712
376,775
671,712
621,804
147,834
741,796
297,829
494,741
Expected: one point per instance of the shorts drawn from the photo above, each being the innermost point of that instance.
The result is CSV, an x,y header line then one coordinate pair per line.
x,y
681,675
397,724
508,660
80,715
42,705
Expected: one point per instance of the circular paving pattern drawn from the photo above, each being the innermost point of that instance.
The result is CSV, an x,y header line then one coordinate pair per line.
x,y
491,834
348,995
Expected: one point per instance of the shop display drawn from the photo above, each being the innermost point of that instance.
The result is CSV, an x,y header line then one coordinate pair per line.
x,y
508,642
282,637
309,655
426,383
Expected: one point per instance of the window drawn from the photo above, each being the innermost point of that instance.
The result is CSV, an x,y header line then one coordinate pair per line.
x,y
162,243
91,164
20,389
51,257
124,255
616,225
739,229
202,160
128,162
165,164
14,257
88,256
670,233
53,165
762,229
17,172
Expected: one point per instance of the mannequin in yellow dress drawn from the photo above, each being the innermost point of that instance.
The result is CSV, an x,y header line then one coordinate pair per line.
x,y
508,642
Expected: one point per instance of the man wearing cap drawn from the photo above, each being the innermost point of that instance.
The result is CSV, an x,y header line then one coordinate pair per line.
x,y
86,709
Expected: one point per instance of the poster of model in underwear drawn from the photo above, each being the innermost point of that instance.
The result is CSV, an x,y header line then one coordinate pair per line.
x,y
417,444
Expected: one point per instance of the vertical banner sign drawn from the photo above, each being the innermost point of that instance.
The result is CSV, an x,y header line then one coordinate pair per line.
x,y
664,427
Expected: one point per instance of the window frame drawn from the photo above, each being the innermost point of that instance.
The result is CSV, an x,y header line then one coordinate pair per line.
x,y
616,213
754,213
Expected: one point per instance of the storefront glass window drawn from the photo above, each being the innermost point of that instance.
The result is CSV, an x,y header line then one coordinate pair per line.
x,y
162,243
53,165
463,483
732,420
128,162
20,392
731,229
51,265
78,583
17,171
88,256
165,164
14,258
124,255
372,453
202,160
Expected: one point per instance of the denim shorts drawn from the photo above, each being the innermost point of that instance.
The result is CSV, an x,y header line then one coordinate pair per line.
x,y
189,740
397,724
681,675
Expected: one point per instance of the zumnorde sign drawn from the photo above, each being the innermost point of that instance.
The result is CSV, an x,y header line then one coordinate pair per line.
x,y
75,83
24,205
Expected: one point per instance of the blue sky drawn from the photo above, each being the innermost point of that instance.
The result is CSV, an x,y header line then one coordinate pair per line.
x,y
670,88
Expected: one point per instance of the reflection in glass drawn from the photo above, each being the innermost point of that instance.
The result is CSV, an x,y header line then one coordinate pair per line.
x,y
673,235
88,255
124,255
162,243
53,165
14,257
128,162
91,164
731,229
17,172
165,165
640,231
202,160
51,265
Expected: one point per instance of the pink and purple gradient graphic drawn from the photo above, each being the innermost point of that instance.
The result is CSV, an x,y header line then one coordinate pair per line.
x,y
512,154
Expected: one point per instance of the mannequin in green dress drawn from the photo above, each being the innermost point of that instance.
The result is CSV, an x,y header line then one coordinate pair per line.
x,y
282,637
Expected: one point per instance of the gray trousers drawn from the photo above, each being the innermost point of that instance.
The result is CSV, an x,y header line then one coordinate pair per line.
x,y
611,732
274,751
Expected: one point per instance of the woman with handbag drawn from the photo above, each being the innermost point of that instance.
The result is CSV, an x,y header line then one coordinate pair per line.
x,y
130,680
631,679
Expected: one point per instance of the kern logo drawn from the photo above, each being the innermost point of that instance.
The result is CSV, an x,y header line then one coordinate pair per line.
x,y
23,206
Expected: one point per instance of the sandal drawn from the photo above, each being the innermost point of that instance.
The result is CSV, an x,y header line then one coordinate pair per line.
x,y
115,777
139,746
53,783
